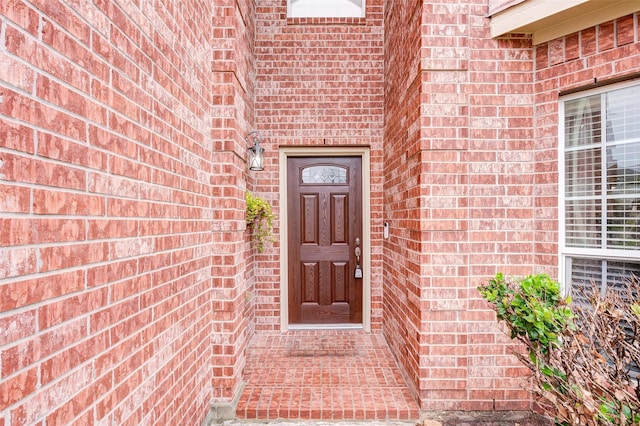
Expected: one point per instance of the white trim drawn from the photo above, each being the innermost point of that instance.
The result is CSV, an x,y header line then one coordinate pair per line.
x,y
562,267
596,90
359,151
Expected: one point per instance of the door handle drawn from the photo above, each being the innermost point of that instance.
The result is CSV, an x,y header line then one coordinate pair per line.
x,y
358,272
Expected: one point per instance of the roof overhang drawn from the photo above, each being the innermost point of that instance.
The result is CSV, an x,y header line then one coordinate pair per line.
x,y
549,19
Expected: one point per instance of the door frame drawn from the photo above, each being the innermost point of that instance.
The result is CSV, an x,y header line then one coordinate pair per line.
x,y
325,151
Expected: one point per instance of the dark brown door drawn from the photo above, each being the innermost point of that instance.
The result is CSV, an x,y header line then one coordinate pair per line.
x,y
325,222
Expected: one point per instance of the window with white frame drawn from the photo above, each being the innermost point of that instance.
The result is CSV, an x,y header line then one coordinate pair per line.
x,y
600,172
325,8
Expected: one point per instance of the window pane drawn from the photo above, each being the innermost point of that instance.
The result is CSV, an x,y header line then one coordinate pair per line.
x,y
584,274
623,114
623,195
618,273
582,121
324,174
583,175
622,223
623,169
326,8
583,223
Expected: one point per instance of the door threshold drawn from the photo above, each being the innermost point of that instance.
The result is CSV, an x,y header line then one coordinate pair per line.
x,y
325,327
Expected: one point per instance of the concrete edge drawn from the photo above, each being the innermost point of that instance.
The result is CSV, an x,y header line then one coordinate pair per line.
x,y
221,411
487,418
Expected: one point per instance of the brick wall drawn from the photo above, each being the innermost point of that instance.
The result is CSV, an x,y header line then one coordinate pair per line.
x,y
459,194
318,82
403,251
109,195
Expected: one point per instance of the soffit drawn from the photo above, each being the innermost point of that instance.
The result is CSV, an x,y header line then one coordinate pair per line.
x,y
549,19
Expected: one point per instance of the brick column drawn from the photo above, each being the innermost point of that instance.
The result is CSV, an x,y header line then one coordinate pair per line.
x,y
232,67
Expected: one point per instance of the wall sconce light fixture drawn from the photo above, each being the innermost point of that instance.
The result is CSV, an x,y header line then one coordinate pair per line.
x,y
256,152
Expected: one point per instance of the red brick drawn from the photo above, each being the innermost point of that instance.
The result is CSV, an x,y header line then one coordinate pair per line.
x,y
17,294
67,203
588,41
29,170
19,356
72,356
625,30
60,13
17,11
124,167
115,100
16,232
572,46
66,256
16,136
112,142
54,93
17,261
39,114
606,36
71,307
17,387
17,326
33,408
14,199
110,272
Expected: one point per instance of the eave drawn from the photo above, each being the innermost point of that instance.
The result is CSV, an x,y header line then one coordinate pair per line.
x,y
546,20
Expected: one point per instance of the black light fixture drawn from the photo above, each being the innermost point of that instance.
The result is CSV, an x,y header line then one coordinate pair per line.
x,y
256,152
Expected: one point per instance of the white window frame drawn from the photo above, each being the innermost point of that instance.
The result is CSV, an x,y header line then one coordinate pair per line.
x,y
566,253
337,16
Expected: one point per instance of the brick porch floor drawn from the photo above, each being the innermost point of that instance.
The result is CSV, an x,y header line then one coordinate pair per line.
x,y
325,375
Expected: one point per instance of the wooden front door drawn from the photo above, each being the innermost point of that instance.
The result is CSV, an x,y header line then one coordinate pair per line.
x,y
325,228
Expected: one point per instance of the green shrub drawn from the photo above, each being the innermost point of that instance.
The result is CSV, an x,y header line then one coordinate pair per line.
x,y
583,357
259,219
534,309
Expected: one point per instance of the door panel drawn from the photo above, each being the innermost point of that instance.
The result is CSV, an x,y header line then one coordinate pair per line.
x,y
310,218
325,214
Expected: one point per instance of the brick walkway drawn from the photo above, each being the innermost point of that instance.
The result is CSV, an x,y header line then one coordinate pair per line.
x,y
324,375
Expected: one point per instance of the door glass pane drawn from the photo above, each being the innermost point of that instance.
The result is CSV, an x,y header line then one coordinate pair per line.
x,y
324,174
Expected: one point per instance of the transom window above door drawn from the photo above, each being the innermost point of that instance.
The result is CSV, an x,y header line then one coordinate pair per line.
x,y
325,8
